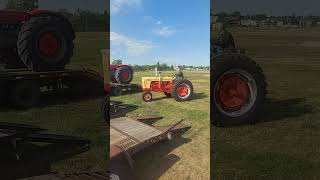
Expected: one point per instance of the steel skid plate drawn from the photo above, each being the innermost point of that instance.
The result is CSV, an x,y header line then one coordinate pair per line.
x,y
127,133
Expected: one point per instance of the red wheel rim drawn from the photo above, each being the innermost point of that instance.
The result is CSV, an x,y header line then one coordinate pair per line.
x,y
48,44
125,75
147,97
234,92
183,90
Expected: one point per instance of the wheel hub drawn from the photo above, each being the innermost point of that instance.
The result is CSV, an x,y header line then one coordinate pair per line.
x,y
147,97
48,44
183,90
125,75
234,92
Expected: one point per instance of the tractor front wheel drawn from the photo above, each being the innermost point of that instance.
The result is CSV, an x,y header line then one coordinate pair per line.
x,y
147,96
25,94
116,91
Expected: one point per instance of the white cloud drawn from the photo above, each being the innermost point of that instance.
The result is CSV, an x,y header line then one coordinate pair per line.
x,y
159,22
117,5
133,46
165,31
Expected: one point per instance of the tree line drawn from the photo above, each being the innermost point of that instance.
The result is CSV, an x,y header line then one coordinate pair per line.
x,y
289,19
88,21
82,20
160,66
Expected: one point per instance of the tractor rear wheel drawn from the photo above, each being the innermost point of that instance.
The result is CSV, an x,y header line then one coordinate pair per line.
x,y
124,75
239,89
116,91
182,90
45,43
25,94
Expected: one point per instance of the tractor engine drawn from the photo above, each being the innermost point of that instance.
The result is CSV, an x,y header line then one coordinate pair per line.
x,y
122,74
38,40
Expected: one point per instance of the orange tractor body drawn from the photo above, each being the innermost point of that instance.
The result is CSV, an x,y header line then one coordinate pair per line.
x,y
178,88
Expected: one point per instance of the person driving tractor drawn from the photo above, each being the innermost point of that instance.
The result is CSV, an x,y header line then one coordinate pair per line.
x,y
179,74
222,39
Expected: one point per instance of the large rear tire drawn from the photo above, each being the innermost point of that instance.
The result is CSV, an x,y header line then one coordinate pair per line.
x,y
239,89
182,90
124,75
45,43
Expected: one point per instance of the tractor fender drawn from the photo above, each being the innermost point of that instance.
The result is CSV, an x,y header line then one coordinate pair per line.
x,y
45,13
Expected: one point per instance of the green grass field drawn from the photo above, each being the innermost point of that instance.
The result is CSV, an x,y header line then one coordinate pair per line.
x,y
62,115
187,157
284,144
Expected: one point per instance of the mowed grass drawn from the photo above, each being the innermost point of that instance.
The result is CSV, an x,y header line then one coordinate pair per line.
x,y
285,141
187,157
67,116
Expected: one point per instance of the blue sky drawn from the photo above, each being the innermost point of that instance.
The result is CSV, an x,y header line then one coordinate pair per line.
x,y
170,31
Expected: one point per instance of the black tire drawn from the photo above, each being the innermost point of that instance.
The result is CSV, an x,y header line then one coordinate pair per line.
x,y
116,91
105,108
25,94
136,88
239,65
119,72
147,96
79,88
29,43
168,95
177,83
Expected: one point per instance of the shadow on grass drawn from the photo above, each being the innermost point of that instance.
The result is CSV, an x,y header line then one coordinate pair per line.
x,y
195,96
160,98
35,159
155,160
275,110
198,96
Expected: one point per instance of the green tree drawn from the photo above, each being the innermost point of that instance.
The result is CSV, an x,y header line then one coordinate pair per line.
x,y
117,61
10,4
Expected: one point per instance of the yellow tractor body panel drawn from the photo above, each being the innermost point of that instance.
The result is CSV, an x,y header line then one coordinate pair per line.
x,y
146,81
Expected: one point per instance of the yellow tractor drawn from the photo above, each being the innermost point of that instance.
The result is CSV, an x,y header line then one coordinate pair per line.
x,y
176,87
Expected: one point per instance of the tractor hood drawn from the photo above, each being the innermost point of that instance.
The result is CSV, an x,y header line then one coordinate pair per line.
x,y
13,16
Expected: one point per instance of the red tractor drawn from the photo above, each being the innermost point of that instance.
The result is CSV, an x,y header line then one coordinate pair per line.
x,y
121,74
178,88
39,40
